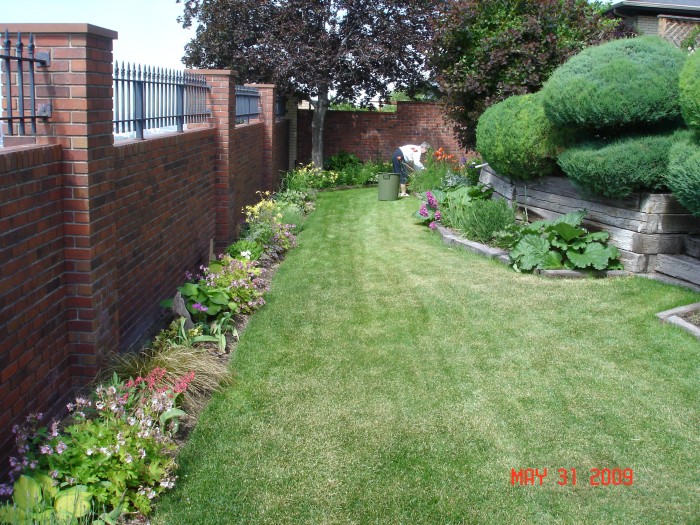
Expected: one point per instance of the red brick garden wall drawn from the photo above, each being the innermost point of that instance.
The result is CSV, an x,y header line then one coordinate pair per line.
x,y
35,360
373,135
165,220
247,173
94,234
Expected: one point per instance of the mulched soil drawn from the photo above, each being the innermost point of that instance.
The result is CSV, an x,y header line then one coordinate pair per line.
x,y
692,318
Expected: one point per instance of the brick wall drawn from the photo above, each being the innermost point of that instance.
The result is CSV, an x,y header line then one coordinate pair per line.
x,y
93,235
35,360
280,154
375,135
163,189
248,171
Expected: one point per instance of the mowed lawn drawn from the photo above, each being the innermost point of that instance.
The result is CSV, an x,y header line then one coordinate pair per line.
x,y
391,379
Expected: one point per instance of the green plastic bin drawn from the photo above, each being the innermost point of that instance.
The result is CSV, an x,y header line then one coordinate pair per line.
x,y
388,186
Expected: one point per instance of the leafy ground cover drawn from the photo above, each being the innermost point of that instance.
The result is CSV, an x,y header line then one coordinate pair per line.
x,y
392,379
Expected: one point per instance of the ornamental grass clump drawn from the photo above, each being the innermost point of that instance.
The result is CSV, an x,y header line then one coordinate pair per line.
x,y
114,456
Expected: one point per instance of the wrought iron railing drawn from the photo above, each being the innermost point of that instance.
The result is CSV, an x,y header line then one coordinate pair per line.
x,y
34,58
247,104
148,97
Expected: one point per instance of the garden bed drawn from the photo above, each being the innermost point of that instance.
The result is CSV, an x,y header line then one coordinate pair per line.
x,y
454,239
642,226
687,317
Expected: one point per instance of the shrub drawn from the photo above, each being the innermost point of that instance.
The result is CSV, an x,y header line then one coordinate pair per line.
x,y
630,82
487,50
303,199
516,139
309,177
481,220
621,167
690,91
684,173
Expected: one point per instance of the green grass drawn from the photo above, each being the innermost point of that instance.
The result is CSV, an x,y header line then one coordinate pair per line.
x,y
391,379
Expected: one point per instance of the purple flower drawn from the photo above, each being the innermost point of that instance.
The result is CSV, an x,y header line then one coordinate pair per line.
x,y
6,490
61,447
200,307
423,211
45,449
432,225
438,216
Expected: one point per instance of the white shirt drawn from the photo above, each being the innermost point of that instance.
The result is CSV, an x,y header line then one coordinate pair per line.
x,y
411,153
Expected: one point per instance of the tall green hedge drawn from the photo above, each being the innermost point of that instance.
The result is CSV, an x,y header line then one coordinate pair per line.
x,y
690,91
624,83
623,166
684,172
516,139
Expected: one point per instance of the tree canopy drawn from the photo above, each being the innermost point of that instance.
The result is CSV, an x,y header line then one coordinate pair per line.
x,y
487,50
314,48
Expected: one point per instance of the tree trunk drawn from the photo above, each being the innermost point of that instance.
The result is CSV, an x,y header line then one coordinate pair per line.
x,y
320,108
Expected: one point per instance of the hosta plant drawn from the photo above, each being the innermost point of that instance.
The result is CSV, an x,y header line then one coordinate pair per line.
x,y
563,243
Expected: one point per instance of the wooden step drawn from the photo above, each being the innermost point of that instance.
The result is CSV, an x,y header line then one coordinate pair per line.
x,y
692,246
679,266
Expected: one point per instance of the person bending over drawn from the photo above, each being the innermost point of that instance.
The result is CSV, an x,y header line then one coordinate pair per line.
x,y
404,156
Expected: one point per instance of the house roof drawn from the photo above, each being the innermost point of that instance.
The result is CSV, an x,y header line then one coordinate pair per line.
x,y
674,7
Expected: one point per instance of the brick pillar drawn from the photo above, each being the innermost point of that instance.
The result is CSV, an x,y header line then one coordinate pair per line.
x,y
78,83
223,116
268,94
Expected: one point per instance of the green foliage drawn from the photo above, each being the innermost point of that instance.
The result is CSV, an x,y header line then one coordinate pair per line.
x,y
36,500
488,50
683,176
341,160
480,220
443,171
245,249
562,243
620,167
309,177
516,139
621,84
116,453
689,84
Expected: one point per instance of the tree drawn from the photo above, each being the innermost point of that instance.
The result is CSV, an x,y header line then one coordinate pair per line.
x,y
487,50
351,49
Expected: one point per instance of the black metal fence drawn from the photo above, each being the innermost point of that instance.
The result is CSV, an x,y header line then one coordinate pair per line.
x,y
149,98
33,58
247,104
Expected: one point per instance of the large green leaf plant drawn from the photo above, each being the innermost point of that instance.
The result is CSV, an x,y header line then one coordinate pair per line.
x,y
562,243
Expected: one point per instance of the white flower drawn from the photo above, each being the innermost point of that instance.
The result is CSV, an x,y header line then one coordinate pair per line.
x,y
246,254
89,452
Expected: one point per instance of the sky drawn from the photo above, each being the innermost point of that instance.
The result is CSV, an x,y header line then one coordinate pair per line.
x,y
148,30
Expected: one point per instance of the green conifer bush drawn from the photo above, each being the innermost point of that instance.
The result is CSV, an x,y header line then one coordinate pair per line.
x,y
627,83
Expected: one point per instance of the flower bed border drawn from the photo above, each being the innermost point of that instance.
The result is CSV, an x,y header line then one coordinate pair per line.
x,y
673,317
452,238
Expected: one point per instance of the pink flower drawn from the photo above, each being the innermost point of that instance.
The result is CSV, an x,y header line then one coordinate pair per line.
x,y
438,215
432,225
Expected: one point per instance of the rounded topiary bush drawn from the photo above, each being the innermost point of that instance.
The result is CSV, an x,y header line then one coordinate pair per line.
x,y
690,91
516,139
621,167
683,177
623,83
